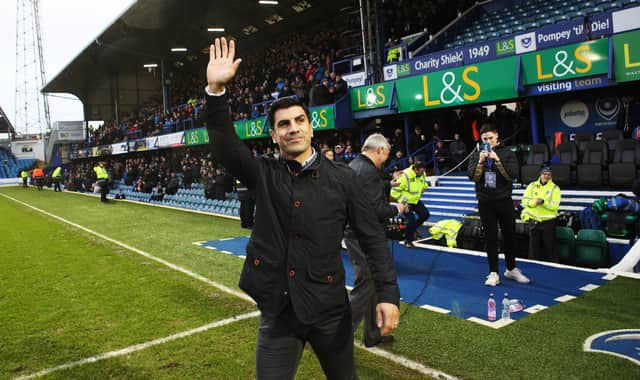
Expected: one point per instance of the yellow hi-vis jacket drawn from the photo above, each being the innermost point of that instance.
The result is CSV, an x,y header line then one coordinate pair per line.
x,y
57,173
449,229
24,174
410,187
101,173
549,193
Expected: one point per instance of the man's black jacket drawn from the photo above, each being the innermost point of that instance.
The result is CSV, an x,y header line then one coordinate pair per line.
x,y
373,187
506,170
294,251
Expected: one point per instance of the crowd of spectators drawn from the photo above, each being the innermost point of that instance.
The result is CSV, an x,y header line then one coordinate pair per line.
x,y
301,66
406,17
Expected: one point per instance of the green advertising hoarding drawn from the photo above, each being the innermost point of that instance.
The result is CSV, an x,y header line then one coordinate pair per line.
x,y
197,136
626,53
252,129
371,97
572,61
322,118
505,47
483,82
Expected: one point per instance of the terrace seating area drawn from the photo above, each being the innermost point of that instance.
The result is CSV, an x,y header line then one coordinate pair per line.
x,y
529,15
10,167
585,161
192,199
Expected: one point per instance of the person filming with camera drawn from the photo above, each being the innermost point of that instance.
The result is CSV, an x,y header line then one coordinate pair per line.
x,y
493,169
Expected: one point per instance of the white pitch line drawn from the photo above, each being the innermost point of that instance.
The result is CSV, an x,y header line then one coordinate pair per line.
x,y
377,351
421,368
141,346
189,273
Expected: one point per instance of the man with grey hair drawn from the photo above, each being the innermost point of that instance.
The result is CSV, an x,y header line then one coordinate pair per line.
x,y
367,165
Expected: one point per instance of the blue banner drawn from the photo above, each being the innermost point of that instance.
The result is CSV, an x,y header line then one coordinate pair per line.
x,y
583,112
575,84
561,34
437,61
600,24
480,52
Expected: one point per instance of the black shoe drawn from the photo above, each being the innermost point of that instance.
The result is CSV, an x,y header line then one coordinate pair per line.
x,y
382,340
409,244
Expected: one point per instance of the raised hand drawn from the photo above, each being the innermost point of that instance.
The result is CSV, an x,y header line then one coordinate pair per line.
x,y
222,67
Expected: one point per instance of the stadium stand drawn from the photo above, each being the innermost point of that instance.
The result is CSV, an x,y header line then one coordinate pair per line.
x,y
10,167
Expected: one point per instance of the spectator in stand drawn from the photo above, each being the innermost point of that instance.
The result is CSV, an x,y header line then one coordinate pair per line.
x,y
397,141
457,150
187,176
172,184
398,162
319,95
157,194
439,134
341,86
210,186
220,187
328,153
348,154
416,141
441,155
338,151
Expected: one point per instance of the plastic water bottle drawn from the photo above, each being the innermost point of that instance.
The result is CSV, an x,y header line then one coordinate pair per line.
x,y
491,308
506,314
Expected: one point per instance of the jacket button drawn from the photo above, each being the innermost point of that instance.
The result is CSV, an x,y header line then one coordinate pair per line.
x,y
256,262
330,278
297,204
292,273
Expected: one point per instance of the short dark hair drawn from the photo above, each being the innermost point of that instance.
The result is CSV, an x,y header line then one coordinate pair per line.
x,y
283,103
488,127
419,165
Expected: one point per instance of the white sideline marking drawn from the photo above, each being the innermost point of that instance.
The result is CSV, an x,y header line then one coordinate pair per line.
x,y
565,298
418,367
227,252
436,309
189,273
609,276
377,351
535,309
589,287
494,325
141,346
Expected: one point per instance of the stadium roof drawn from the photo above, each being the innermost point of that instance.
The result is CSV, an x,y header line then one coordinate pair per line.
x,y
5,123
146,32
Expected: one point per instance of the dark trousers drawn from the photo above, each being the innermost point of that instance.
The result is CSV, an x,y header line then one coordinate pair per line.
x,y
104,189
24,182
363,297
247,206
56,184
281,340
542,241
494,212
422,214
39,181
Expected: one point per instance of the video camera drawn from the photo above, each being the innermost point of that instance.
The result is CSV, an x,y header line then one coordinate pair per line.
x,y
397,227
